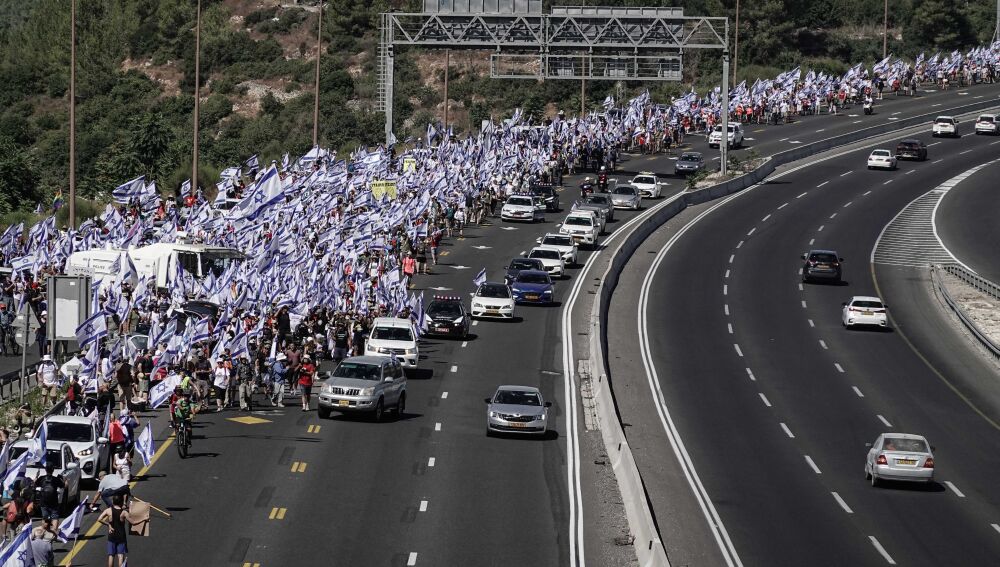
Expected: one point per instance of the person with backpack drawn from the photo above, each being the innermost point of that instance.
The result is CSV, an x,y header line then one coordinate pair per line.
x,y
48,487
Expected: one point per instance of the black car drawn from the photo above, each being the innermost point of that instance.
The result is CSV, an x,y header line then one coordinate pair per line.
x,y
821,265
911,149
446,316
547,191
517,265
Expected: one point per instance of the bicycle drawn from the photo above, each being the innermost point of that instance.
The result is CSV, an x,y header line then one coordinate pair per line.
x,y
183,438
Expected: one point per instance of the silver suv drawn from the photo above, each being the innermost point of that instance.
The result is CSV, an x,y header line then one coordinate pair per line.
x,y
364,384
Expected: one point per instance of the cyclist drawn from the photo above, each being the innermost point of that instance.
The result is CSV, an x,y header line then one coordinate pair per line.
x,y
183,410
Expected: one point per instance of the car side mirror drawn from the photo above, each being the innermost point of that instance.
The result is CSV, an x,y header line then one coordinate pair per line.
x,y
868,445
844,304
548,404
885,306
70,466
841,259
933,448
102,440
387,379
487,400
538,240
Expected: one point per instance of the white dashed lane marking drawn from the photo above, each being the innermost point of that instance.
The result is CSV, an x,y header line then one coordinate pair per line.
x,y
727,309
750,374
730,328
834,215
423,505
787,431
811,240
727,274
822,184
731,258
883,420
738,351
782,206
881,550
752,230
812,464
454,368
437,426
431,461
811,324
857,391
802,195
803,303
738,244
766,217
444,395
725,289
412,560
842,503
822,343
866,193
820,229
764,399
954,489
887,182
839,367
848,204
845,173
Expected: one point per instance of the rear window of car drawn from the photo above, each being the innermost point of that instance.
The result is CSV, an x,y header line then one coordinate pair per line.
x,y
822,257
986,119
904,444
909,146
880,153
519,201
945,120
868,304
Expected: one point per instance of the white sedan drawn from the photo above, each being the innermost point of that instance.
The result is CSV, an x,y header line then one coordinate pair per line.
x,y
521,208
881,159
551,258
647,184
493,300
900,456
865,310
564,244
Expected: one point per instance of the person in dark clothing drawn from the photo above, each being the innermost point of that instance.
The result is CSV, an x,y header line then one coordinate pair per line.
x,y
47,487
117,520
284,325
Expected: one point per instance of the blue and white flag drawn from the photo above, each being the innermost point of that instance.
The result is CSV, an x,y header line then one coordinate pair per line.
x,y
37,448
91,330
129,189
160,393
480,278
267,191
15,470
69,528
145,444
253,164
18,553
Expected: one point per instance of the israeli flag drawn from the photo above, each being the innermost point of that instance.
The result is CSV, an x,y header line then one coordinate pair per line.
x,y
38,444
18,553
161,392
15,470
69,528
92,330
253,164
480,278
145,444
265,193
129,189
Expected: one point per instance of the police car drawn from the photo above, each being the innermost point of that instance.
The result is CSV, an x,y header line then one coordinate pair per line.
x,y
446,316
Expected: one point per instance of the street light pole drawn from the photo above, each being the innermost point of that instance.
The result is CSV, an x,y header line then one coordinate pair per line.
x,y
724,114
319,52
736,43
197,95
72,115
885,29
447,67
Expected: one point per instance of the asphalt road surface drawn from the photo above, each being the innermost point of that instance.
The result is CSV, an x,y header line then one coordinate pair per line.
x,y
430,489
774,400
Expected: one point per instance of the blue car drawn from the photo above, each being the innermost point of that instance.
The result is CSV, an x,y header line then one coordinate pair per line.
x,y
533,286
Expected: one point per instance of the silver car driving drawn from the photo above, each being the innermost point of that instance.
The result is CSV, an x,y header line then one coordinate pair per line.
x,y
517,409
900,456
364,384
626,197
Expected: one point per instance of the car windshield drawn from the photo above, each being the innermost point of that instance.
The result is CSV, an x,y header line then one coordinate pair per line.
x,y
70,432
597,199
523,265
358,371
690,157
445,309
822,257
517,398
494,291
626,190
53,456
881,153
867,304
648,180
529,278
557,241
578,221
525,201
904,444
392,334
543,253
986,119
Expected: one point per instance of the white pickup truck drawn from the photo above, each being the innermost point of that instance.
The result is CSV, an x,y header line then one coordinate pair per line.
x,y
583,226
735,136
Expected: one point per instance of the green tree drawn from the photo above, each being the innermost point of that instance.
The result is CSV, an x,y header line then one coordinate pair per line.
x,y
18,177
938,25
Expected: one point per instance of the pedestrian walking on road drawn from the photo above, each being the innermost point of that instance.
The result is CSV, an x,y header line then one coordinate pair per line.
x,y
48,378
221,385
278,372
306,373
117,520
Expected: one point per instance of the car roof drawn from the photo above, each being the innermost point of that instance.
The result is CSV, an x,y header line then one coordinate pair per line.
x,y
531,272
865,298
81,419
391,322
817,251
373,360
545,247
515,388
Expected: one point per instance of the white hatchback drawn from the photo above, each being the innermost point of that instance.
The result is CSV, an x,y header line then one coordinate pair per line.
x,y
987,124
881,159
551,258
865,310
945,126
647,184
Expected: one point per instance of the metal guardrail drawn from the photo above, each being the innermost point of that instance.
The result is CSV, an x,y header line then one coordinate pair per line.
x,y
979,283
10,382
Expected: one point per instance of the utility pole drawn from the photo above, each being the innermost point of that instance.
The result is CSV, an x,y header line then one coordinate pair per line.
x,y
996,31
724,114
197,95
447,66
583,95
72,115
319,52
885,29
736,44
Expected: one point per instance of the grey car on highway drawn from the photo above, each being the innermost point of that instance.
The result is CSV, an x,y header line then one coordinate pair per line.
x,y
899,456
364,384
599,202
689,162
518,410
626,197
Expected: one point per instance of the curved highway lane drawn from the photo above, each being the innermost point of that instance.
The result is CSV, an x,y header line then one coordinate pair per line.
x,y
967,220
775,401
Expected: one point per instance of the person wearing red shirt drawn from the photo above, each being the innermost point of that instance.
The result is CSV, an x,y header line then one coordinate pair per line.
x,y
307,370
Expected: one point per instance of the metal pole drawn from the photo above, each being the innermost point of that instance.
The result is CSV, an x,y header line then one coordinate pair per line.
x,y
24,346
319,52
447,65
996,31
736,44
724,113
389,63
197,95
885,29
583,95
72,115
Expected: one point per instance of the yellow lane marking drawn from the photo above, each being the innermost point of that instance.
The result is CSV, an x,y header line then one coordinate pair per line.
x,y
249,420
445,253
298,467
248,564
92,531
314,428
277,514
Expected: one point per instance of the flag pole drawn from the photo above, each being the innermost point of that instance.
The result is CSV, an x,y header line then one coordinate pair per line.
x,y
24,347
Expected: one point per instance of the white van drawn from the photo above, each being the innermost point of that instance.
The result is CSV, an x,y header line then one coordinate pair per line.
x,y
394,337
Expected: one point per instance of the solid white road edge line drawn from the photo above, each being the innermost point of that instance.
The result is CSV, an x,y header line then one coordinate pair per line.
x,y
881,550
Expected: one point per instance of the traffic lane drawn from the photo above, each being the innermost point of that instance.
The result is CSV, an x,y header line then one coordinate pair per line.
x,y
729,220
836,420
207,489
966,221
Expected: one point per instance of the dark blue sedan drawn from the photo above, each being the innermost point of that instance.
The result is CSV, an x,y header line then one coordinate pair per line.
x,y
533,286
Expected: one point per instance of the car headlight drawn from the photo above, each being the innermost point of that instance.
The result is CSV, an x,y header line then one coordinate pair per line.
x,y
547,292
478,306
411,351
368,391
327,389
459,320
542,417
382,350
86,452
493,414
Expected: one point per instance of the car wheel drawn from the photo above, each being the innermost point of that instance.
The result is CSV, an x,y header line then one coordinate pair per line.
x,y
868,475
323,413
489,432
379,411
874,480
401,406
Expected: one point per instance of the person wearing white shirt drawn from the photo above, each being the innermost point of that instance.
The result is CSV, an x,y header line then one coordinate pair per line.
x,y
49,379
221,384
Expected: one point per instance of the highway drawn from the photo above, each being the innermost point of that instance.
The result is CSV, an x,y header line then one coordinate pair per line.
x,y
774,400
966,221
431,489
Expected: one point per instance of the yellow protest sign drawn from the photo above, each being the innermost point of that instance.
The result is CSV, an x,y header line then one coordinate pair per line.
x,y
409,164
382,188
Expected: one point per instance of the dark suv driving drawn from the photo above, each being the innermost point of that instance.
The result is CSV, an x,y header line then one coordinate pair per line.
x,y
821,265
911,149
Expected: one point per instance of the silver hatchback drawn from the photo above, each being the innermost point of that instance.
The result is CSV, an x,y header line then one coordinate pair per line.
x,y
364,384
517,409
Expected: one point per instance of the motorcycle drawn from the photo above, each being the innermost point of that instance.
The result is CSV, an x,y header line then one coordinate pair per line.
x,y
586,188
869,107
602,182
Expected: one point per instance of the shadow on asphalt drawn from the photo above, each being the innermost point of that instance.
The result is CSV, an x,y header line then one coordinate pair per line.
x,y
902,486
550,435
389,417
